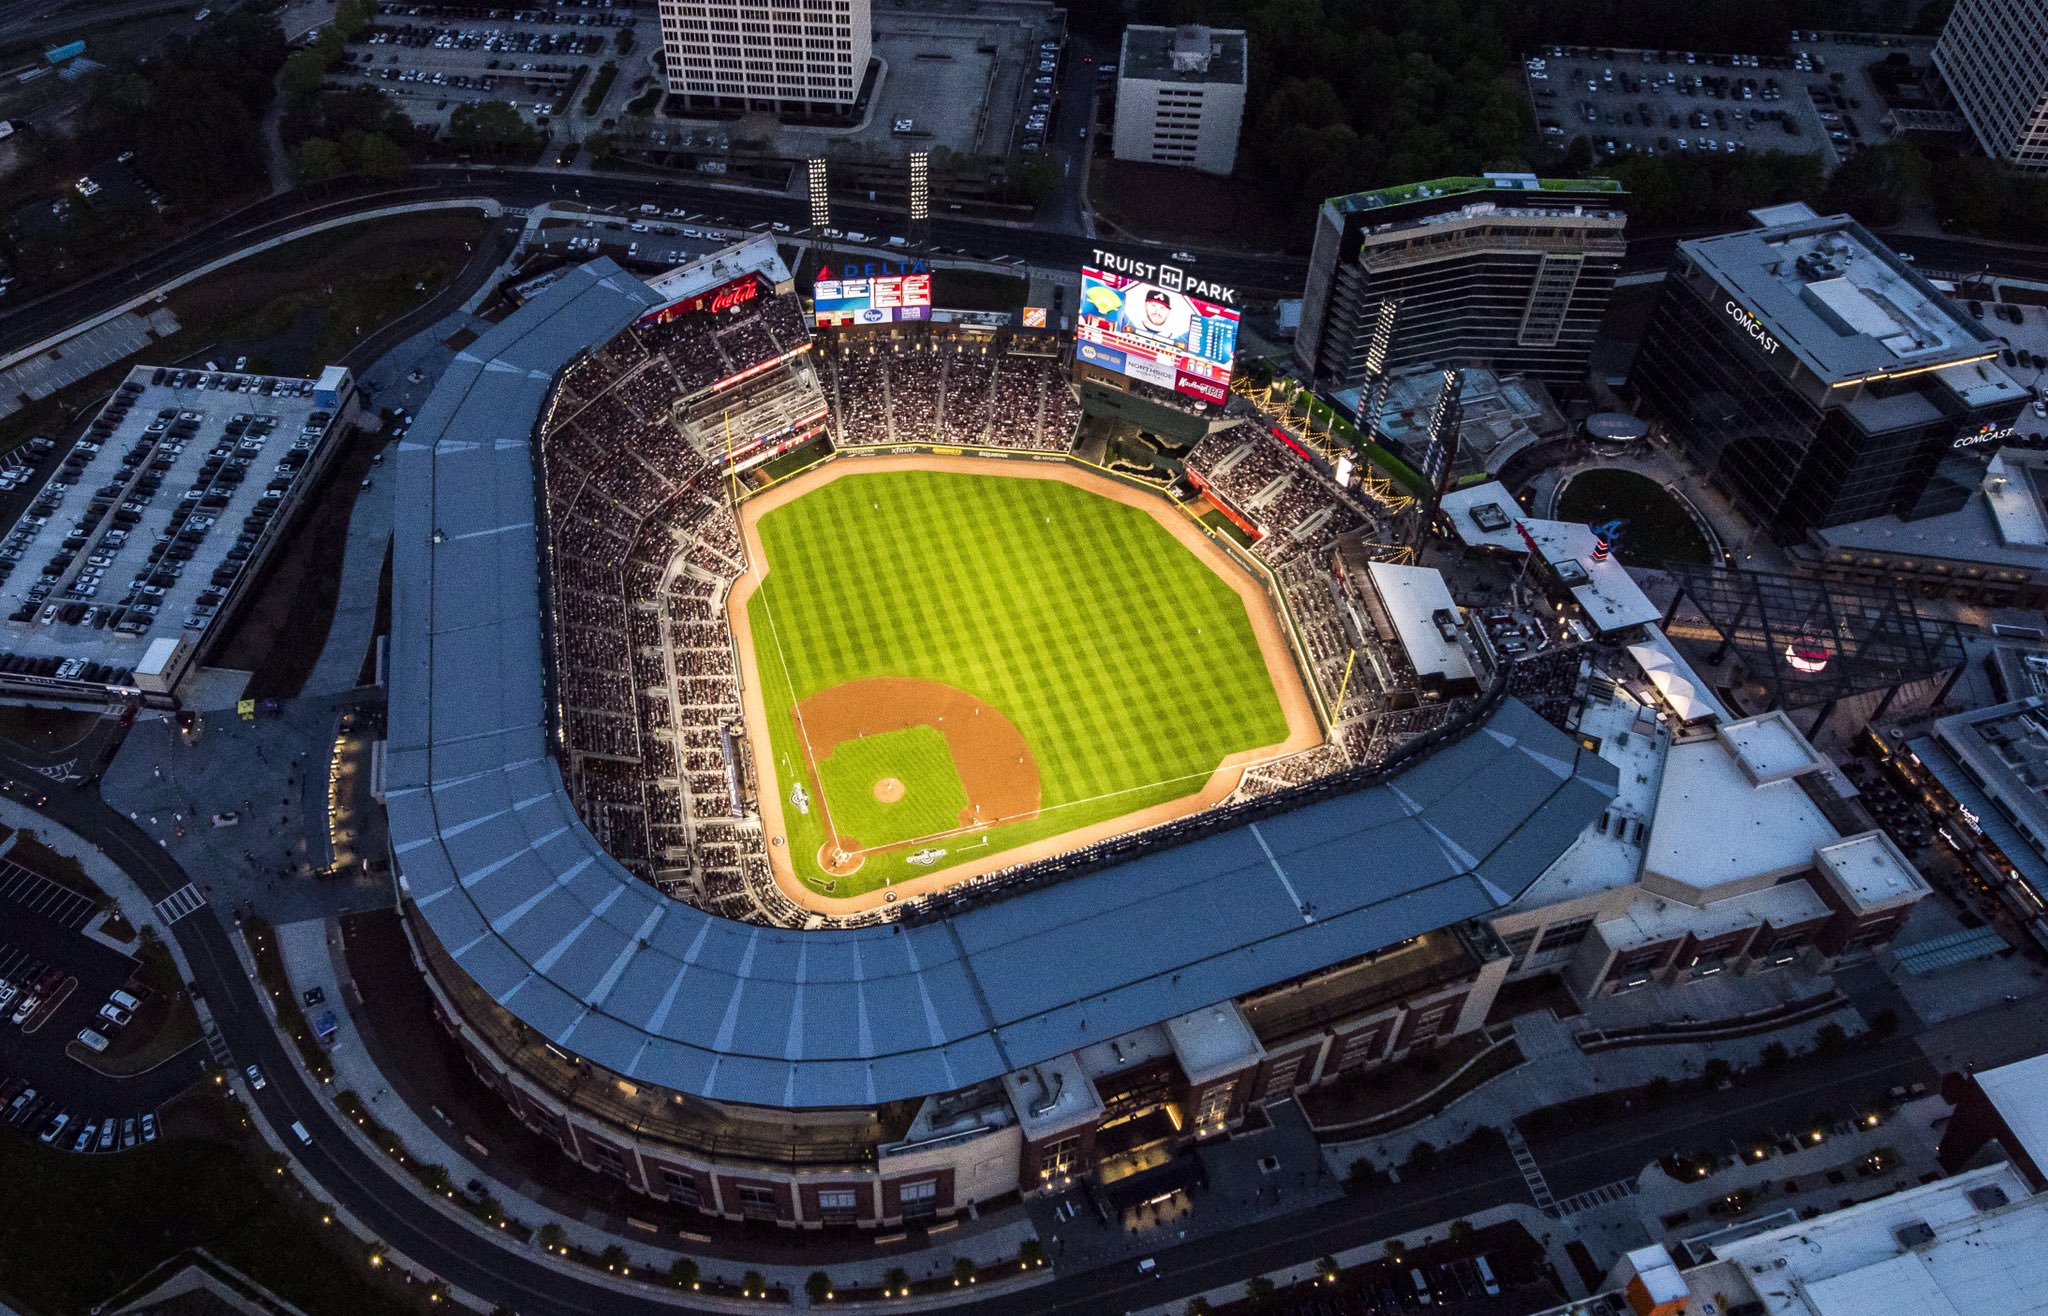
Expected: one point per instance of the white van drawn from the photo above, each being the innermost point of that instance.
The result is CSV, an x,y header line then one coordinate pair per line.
x,y
299,1132
1486,1277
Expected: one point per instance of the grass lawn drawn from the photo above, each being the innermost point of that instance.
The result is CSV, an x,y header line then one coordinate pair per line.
x,y
165,1025
1659,528
80,1228
917,757
291,309
1129,668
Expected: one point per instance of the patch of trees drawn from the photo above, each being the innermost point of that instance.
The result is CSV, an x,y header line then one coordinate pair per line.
x,y
1345,95
193,112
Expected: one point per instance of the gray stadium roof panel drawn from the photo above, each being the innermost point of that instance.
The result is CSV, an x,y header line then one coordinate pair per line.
x,y
519,893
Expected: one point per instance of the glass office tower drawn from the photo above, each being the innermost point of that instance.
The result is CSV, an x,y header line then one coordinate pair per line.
x,y
1818,378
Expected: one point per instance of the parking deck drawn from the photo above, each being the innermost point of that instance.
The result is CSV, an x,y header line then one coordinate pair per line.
x,y
154,518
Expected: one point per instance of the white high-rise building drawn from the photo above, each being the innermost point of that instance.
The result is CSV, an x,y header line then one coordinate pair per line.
x,y
1993,54
1180,97
784,56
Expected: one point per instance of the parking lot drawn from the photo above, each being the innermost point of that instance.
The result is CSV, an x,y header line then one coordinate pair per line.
x,y
59,987
1666,102
432,59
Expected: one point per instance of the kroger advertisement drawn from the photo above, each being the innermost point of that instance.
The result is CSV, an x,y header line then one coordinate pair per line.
x,y
1151,329
871,299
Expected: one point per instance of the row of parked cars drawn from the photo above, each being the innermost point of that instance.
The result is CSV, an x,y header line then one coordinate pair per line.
x,y
114,1015
24,1107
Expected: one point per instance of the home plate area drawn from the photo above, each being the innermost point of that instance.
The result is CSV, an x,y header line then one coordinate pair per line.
x,y
901,763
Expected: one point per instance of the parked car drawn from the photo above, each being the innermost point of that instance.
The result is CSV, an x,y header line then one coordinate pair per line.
x,y
91,1040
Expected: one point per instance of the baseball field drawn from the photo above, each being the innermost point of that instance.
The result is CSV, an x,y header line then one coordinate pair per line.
x,y
960,664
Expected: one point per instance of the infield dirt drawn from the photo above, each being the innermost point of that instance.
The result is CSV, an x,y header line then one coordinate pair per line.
x,y
1304,732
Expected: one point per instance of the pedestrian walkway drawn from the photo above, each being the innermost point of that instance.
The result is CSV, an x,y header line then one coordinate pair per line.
x,y
180,903
313,958
354,626
1532,1173
1618,1191
1555,1070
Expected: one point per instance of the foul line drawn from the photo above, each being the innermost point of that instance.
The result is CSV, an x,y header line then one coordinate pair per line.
x,y
803,733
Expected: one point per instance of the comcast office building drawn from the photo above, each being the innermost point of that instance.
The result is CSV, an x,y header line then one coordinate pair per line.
x,y
1818,378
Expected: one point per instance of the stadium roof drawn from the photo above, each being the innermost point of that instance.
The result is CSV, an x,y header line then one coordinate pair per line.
x,y
520,894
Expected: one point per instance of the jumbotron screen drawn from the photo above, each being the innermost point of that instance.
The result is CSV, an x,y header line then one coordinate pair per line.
x,y
1163,335
874,299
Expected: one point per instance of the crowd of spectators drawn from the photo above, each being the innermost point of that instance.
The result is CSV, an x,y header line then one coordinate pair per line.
x,y
886,392
642,548
1300,509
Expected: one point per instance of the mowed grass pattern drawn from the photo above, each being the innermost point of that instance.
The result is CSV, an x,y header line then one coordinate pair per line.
x,y
916,756
1129,667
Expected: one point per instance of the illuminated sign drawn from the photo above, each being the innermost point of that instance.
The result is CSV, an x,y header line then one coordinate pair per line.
x,y
1989,432
1170,277
862,298
722,298
1752,326
1157,332
1034,317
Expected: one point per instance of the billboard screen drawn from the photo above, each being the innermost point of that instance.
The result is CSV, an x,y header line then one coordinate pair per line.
x,y
722,298
1150,322
872,299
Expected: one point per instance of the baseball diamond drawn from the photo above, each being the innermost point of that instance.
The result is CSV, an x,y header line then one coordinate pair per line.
x,y
957,664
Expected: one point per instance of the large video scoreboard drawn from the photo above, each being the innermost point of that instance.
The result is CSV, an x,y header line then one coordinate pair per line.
x,y
1156,322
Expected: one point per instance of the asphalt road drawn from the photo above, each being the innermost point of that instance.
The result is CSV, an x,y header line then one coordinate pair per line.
x,y
32,321
452,1250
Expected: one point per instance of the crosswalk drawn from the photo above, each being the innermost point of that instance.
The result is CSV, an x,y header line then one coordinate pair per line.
x,y
217,1047
1618,1191
1532,1173
180,903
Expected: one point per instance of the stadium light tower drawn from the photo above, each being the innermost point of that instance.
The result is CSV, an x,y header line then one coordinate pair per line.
x,y
821,197
1441,456
920,193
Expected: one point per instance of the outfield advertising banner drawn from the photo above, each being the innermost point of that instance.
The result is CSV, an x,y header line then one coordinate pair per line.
x,y
1157,323
871,299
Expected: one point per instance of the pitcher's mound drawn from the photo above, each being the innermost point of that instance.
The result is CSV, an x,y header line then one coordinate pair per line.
x,y
888,790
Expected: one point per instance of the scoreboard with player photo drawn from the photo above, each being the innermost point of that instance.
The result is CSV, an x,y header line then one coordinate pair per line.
x,y
875,299
1160,335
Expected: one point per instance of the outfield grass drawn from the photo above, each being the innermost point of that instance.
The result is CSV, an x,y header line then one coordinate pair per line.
x,y
1128,666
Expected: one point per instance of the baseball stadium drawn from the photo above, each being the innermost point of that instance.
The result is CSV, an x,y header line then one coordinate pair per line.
x,y
825,791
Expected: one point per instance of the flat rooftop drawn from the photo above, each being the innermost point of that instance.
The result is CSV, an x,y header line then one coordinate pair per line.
x,y
1485,516
1717,823
1651,919
1497,186
1847,307
1870,869
2019,1092
1416,598
188,454
2004,748
753,256
1975,1243
1188,54
1611,855
2004,523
